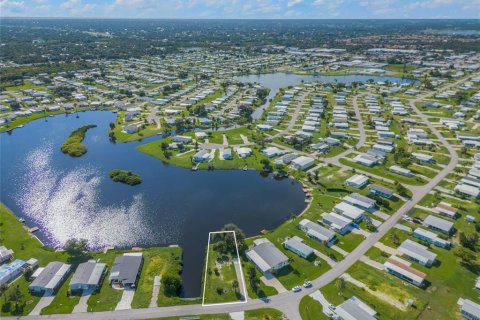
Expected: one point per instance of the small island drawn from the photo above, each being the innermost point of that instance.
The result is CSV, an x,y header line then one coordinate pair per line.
x,y
124,176
73,145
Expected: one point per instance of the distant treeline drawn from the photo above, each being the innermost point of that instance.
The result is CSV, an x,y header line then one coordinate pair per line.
x,y
14,73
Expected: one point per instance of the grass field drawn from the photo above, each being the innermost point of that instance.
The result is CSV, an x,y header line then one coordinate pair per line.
x,y
220,276
157,262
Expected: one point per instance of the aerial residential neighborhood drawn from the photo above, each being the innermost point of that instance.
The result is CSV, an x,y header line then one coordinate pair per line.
x,y
257,160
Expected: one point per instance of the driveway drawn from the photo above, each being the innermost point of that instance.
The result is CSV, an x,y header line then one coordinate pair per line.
x,y
126,301
270,280
82,305
45,301
317,295
156,290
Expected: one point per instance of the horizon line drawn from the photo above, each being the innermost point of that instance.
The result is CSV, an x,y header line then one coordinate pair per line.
x,y
226,19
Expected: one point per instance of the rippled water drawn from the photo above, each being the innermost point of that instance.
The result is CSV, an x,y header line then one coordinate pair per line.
x,y
74,197
65,202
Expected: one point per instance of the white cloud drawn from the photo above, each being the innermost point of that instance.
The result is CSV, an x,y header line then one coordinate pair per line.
x,y
11,6
77,8
292,3
380,7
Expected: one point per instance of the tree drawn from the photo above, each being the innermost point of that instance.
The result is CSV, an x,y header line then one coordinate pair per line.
x,y
466,255
468,240
253,279
3,291
401,189
340,284
395,239
235,285
16,296
172,284
75,247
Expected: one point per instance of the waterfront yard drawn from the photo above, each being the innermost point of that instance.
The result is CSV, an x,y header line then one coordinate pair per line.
x,y
158,261
221,283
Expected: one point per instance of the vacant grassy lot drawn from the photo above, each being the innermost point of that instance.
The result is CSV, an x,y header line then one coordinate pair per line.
x,y
157,262
220,278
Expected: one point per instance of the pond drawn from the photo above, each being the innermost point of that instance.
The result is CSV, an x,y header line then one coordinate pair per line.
x,y
275,81
74,197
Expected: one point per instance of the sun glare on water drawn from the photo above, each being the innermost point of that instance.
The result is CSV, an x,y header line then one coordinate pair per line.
x,y
67,205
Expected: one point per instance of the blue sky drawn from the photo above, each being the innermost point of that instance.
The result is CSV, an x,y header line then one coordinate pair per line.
x,y
269,9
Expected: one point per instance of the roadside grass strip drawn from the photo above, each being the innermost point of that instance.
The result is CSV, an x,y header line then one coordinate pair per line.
x,y
224,282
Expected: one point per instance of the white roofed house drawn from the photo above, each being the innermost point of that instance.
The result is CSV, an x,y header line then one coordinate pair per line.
x,y
467,190
266,256
439,224
365,160
337,223
356,199
182,139
271,152
316,231
468,309
202,156
357,181
50,278
424,158
296,245
447,210
401,171
402,269
88,276
5,254
11,271
417,252
303,163
130,128
243,152
430,237
355,309
351,212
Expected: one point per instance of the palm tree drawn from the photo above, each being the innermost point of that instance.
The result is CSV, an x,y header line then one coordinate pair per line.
x,y
341,284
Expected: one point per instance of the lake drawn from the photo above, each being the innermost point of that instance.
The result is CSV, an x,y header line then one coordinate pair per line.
x,y
275,81
74,197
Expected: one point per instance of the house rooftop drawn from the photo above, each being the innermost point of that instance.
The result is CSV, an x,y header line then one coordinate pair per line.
x,y
265,255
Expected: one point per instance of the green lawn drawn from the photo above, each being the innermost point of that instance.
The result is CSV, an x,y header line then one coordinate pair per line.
x,y
258,314
263,314
311,309
63,303
24,120
25,246
384,172
107,298
157,262
184,160
263,291
385,310
219,278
